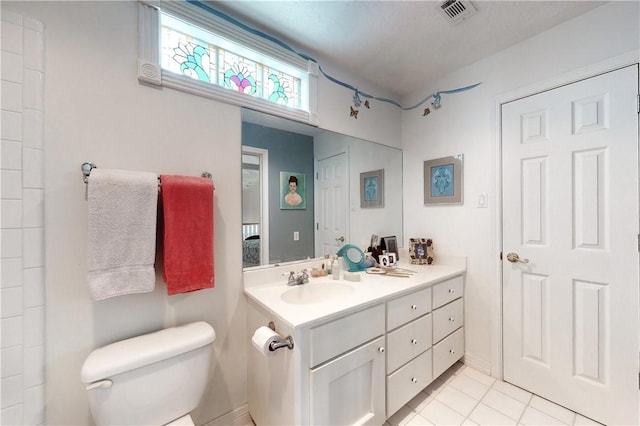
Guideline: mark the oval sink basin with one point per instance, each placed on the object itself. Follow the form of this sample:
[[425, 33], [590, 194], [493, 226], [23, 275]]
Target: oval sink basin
[[318, 292]]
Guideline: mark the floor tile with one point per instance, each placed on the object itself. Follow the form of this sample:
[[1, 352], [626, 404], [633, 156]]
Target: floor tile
[[478, 376], [470, 386], [418, 420], [584, 421], [513, 391], [485, 415], [533, 417], [554, 410], [439, 414], [402, 416], [420, 401], [503, 403], [457, 400]]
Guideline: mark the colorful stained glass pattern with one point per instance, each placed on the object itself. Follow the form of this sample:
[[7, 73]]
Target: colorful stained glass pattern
[[184, 54]]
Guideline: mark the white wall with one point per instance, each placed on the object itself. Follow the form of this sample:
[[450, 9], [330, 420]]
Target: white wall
[[465, 123], [96, 111]]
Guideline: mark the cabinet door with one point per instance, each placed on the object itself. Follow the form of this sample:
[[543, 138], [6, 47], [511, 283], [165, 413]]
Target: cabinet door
[[351, 388]]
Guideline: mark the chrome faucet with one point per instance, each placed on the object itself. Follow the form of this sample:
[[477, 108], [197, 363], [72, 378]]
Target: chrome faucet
[[301, 278]]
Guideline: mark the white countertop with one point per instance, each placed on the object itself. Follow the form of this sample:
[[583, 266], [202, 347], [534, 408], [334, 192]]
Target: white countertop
[[266, 287]]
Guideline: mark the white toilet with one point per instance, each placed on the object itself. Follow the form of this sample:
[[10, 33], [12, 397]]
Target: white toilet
[[153, 379]]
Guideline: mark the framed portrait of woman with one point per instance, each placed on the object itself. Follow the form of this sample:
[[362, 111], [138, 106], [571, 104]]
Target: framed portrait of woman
[[292, 191]]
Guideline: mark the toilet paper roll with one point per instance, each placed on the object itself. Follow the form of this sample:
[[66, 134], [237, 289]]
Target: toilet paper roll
[[262, 338]]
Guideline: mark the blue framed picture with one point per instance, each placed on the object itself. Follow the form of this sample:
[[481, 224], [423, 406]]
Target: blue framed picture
[[443, 180], [372, 189]]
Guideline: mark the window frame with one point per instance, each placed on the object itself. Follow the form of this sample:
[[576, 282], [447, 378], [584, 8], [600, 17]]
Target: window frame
[[151, 72]]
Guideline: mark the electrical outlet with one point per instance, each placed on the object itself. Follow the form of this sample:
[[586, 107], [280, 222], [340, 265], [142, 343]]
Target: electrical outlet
[[296, 236]]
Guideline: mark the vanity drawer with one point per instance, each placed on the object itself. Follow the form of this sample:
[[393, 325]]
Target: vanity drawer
[[447, 319], [405, 383], [447, 352], [408, 308], [408, 341], [447, 291], [336, 337]]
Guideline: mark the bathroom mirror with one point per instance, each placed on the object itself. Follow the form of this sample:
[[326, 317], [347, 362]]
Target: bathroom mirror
[[282, 158]]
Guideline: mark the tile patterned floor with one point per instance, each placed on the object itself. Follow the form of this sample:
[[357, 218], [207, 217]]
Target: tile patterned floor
[[465, 396]]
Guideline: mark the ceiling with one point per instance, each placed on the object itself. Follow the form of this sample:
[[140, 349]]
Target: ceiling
[[398, 45]]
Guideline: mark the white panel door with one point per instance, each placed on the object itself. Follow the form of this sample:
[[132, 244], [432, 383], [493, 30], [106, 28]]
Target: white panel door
[[570, 211], [331, 211]]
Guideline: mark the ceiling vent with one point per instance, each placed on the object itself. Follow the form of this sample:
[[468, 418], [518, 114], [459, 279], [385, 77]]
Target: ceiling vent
[[456, 11]]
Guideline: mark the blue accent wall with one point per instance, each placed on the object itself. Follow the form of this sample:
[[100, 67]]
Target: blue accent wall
[[288, 152]]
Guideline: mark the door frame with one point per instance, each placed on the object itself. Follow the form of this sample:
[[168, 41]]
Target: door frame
[[263, 154], [630, 58]]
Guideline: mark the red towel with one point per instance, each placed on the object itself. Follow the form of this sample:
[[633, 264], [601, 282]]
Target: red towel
[[187, 206]]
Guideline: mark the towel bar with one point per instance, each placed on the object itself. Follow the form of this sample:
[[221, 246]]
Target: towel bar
[[88, 166]]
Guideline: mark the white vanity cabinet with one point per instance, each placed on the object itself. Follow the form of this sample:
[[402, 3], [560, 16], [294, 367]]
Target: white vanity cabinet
[[409, 357], [347, 370], [448, 321]]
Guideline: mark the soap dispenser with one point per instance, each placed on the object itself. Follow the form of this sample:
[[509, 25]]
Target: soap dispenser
[[335, 269]]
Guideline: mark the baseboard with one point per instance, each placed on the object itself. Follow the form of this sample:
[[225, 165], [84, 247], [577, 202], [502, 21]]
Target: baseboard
[[238, 417], [477, 363]]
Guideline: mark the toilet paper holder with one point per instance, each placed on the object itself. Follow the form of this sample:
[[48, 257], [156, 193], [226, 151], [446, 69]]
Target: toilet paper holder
[[287, 342]]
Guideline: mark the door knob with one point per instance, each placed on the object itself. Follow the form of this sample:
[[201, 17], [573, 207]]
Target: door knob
[[514, 258], [341, 239]]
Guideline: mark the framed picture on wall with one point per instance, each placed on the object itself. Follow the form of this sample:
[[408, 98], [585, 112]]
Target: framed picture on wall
[[443, 180], [293, 194], [372, 189]]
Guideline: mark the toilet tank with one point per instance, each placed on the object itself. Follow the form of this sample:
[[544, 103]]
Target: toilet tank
[[151, 379]]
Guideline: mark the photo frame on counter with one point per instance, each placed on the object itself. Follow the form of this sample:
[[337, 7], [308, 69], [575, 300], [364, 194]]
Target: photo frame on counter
[[293, 189], [372, 189], [443, 180], [420, 251], [390, 244]]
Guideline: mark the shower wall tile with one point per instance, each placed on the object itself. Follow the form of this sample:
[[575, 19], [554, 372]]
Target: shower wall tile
[[11, 213], [11, 242], [34, 406], [11, 415], [33, 327], [11, 184], [11, 302], [11, 36], [33, 89], [32, 129], [33, 287], [11, 67], [11, 96], [11, 272], [22, 285], [12, 332], [12, 391], [12, 361], [33, 252], [33, 208], [11, 125], [11, 155], [32, 168], [33, 367]]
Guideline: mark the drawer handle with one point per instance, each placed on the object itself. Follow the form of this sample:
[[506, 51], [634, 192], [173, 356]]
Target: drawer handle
[[381, 349], [414, 380], [414, 307], [451, 290], [452, 352], [451, 319], [414, 341]]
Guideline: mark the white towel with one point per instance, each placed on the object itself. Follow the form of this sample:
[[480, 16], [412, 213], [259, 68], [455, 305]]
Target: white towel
[[121, 237]]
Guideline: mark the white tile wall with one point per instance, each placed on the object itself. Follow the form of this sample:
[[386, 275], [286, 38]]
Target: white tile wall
[[22, 285]]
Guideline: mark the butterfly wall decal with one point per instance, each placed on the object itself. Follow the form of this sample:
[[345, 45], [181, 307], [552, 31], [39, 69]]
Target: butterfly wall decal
[[354, 113]]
